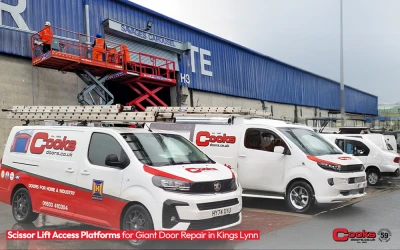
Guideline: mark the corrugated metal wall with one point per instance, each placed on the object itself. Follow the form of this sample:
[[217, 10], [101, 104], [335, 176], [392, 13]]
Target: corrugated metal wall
[[235, 71], [356, 100]]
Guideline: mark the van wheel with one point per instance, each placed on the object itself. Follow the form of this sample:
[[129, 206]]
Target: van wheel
[[373, 177], [137, 218], [22, 207], [299, 196]]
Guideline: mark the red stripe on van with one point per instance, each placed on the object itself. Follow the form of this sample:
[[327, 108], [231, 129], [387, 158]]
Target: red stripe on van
[[230, 168], [157, 172], [313, 158]]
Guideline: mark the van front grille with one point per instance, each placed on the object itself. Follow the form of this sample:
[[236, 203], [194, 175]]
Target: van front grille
[[228, 185], [217, 204], [352, 168]]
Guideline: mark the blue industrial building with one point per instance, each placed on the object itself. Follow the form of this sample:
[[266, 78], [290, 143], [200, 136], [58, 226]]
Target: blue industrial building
[[204, 62]]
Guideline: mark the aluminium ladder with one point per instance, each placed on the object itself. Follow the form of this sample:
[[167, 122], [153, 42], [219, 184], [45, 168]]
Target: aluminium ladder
[[119, 114]]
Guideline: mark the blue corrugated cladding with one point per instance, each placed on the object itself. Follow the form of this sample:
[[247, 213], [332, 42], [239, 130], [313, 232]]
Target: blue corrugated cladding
[[356, 100], [236, 70]]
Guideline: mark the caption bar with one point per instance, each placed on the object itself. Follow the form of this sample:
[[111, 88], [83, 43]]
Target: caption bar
[[132, 235]]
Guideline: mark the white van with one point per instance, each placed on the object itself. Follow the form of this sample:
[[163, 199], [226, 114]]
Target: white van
[[277, 160], [117, 178], [378, 162]]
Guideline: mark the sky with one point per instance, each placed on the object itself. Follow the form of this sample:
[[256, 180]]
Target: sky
[[306, 34]]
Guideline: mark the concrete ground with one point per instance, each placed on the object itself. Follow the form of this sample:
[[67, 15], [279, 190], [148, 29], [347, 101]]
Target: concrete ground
[[280, 229]]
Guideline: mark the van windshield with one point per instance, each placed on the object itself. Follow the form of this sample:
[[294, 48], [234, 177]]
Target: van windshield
[[310, 142], [156, 149]]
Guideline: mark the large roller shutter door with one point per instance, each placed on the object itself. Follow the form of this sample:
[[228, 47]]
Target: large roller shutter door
[[138, 47]]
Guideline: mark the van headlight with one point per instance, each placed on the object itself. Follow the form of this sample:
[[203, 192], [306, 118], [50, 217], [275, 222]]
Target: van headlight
[[328, 166], [234, 184], [170, 184]]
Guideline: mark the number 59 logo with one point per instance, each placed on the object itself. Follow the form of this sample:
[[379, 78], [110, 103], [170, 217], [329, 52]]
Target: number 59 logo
[[384, 235]]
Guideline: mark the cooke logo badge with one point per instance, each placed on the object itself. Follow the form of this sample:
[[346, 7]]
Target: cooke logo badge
[[343, 235], [41, 141], [50, 143], [199, 170], [97, 190], [204, 139]]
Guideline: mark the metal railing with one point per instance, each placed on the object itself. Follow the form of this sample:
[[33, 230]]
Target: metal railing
[[80, 45]]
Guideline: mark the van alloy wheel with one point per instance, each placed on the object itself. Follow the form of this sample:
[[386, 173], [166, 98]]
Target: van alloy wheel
[[22, 207], [373, 178], [137, 218], [136, 221], [299, 197]]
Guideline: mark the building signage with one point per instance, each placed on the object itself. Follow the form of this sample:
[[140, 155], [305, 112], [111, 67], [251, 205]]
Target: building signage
[[15, 11], [143, 36], [150, 37]]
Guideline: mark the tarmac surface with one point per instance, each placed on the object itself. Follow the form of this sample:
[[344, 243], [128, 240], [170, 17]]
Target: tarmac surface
[[279, 228]]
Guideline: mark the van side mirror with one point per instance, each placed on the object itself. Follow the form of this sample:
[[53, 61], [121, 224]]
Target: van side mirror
[[279, 149], [113, 161]]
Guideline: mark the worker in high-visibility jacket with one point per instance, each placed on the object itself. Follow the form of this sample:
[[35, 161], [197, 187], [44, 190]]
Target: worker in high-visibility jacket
[[126, 55], [99, 48], [46, 35]]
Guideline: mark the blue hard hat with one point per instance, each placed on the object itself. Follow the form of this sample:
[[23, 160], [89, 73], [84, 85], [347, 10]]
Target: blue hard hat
[[99, 35]]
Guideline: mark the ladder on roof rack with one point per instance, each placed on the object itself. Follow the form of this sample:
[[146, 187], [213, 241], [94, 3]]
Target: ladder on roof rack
[[121, 114]]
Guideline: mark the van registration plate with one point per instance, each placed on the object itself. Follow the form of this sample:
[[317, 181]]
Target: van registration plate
[[221, 212]]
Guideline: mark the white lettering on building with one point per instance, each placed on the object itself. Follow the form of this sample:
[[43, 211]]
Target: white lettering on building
[[185, 78], [15, 12], [203, 60]]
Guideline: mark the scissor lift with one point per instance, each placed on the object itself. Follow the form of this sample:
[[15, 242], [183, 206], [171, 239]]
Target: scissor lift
[[71, 52]]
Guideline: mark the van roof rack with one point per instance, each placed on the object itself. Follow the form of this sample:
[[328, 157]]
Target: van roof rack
[[119, 114]]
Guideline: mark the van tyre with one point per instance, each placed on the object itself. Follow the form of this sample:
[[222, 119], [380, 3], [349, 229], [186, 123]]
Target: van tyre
[[299, 197], [373, 177], [137, 217], [22, 207]]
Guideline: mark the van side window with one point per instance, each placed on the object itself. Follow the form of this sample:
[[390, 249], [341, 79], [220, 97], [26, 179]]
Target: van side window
[[340, 144], [261, 139], [356, 148], [101, 145]]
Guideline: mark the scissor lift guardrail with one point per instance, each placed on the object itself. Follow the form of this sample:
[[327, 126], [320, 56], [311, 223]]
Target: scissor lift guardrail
[[121, 114]]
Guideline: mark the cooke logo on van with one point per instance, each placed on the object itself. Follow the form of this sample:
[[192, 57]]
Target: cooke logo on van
[[199, 170], [50, 143], [204, 139], [41, 143]]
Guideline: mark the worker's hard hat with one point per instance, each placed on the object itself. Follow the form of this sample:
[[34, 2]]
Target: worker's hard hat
[[99, 35], [47, 23]]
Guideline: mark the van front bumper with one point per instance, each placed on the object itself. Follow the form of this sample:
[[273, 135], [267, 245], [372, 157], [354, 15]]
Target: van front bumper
[[202, 212], [342, 189]]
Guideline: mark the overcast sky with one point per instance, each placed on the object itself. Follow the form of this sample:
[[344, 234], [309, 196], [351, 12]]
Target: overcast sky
[[306, 34]]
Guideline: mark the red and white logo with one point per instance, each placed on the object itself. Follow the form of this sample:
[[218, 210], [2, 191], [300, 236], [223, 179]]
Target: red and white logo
[[343, 235], [204, 138], [199, 170], [41, 141]]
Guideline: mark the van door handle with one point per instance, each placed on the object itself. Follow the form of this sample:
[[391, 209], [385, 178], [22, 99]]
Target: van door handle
[[85, 172], [242, 156], [69, 170]]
